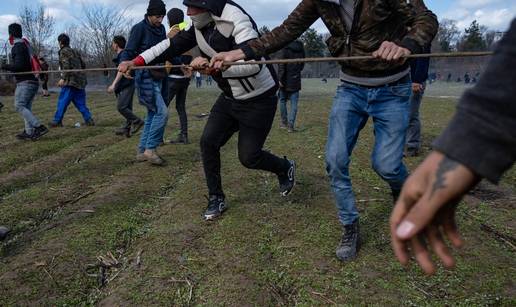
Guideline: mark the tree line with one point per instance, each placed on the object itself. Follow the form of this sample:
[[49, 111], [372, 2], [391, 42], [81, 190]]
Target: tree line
[[93, 32]]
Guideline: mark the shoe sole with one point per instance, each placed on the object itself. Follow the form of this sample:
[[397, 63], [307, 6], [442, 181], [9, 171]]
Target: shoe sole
[[39, 136], [287, 193], [212, 217]]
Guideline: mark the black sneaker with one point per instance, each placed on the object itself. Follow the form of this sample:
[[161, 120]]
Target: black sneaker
[[216, 206], [136, 126], [39, 132], [23, 136], [4, 231], [1, 106], [123, 131], [411, 152], [181, 139], [350, 242], [288, 181], [90, 122]]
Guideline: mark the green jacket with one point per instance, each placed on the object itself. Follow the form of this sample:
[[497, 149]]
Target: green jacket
[[375, 21], [71, 59]]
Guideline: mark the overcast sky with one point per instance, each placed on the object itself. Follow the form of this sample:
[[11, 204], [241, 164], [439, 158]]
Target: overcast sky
[[495, 14]]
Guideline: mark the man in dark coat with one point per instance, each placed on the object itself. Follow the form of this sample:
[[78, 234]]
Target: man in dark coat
[[124, 91], [26, 84], [290, 83], [151, 84]]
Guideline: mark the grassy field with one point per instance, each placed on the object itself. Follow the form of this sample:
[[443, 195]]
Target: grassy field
[[93, 227]]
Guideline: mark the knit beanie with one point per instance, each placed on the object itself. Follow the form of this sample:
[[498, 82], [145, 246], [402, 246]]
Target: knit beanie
[[175, 16], [156, 8]]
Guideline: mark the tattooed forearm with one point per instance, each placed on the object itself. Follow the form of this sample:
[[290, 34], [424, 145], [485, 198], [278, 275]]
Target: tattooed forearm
[[446, 165]]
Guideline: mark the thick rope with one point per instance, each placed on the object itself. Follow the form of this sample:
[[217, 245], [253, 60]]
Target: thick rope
[[266, 62]]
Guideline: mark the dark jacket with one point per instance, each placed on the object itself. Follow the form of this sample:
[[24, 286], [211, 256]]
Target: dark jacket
[[20, 57], [419, 67], [42, 76], [290, 74], [482, 134], [144, 36], [374, 22], [71, 59], [124, 82]]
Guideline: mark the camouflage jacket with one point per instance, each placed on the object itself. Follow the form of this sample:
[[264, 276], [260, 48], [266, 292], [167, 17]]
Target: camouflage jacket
[[375, 21], [71, 59]]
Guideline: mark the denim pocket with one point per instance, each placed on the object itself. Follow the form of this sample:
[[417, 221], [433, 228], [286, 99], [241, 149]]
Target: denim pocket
[[403, 90]]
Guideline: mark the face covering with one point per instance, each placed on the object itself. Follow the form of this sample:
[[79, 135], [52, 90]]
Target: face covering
[[201, 20]]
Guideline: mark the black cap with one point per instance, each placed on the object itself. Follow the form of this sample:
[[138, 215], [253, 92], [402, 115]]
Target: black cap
[[175, 16], [213, 6], [156, 8], [15, 30]]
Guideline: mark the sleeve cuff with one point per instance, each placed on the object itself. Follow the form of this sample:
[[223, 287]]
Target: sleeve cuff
[[473, 143], [248, 51], [411, 45], [139, 61]]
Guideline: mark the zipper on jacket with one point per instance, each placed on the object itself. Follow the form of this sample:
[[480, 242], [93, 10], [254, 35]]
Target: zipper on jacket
[[356, 16]]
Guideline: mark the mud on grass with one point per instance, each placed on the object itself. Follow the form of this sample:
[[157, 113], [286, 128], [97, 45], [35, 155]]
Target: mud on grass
[[78, 194]]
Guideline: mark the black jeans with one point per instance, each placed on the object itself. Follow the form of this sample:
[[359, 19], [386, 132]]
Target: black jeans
[[178, 88], [125, 104], [253, 120]]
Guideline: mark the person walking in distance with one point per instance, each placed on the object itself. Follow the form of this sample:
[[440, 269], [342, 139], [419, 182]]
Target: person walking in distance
[[290, 83], [43, 77], [27, 85], [72, 84]]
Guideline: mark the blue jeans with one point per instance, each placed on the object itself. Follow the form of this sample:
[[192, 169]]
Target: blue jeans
[[23, 97], [155, 122], [352, 106], [78, 97], [414, 128], [287, 118]]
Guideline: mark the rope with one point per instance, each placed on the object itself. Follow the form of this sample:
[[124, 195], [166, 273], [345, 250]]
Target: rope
[[266, 62]]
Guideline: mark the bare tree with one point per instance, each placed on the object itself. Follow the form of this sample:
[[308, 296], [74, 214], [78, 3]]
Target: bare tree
[[38, 26], [447, 36], [100, 24], [78, 40]]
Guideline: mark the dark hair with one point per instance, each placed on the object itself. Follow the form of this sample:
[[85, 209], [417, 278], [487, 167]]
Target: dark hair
[[64, 39], [119, 41], [15, 29]]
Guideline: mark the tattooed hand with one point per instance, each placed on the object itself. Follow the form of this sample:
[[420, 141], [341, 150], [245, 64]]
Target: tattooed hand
[[425, 211]]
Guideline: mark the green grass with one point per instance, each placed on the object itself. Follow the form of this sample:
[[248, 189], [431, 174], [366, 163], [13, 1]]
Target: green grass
[[78, 194]]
